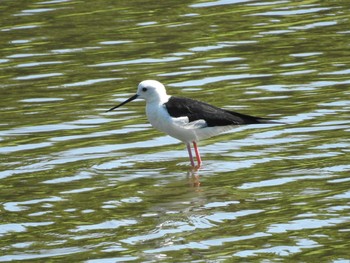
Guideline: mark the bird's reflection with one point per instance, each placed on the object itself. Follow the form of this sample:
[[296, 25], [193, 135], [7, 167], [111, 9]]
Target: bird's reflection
[[194, 178]]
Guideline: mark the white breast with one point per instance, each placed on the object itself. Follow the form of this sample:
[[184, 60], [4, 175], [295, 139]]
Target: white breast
[[162, 121], [158, 116]]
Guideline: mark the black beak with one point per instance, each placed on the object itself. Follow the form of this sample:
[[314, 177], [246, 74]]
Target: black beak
[[121, 104]]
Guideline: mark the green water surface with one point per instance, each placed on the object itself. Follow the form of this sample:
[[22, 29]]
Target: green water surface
[[81, 185]]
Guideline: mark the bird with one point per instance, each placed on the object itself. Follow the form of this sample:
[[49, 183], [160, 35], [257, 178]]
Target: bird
[[186, 119]]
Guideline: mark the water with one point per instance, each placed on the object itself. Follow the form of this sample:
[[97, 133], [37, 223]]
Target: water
[[82, 185]]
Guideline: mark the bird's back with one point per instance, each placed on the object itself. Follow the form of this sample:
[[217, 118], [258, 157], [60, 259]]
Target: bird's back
[[213, 116]]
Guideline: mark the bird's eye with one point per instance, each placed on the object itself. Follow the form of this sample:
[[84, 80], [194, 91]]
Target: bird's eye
[[144, 89]]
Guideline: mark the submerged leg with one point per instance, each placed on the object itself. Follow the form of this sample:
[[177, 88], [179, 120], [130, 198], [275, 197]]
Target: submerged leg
[[190, 153], [198, 156]]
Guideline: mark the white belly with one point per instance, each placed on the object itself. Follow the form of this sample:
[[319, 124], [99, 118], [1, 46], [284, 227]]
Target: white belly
[[180, 128]]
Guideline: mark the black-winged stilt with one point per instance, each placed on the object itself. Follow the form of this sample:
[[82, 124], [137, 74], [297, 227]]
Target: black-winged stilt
[[186, 119]]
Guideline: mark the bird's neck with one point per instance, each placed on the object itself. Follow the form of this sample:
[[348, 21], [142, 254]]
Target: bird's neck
[[158, 100]]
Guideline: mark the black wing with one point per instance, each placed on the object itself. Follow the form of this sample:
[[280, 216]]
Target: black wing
[[213, 116]]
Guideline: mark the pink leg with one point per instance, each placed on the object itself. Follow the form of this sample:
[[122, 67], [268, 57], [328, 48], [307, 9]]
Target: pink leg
[[198, 156], [190, 153]]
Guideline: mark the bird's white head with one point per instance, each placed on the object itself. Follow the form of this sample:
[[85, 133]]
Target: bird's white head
[[152, 91]]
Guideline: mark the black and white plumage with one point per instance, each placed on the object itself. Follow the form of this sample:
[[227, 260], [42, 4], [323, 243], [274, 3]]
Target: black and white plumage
[[213, 116], [186, 119]]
